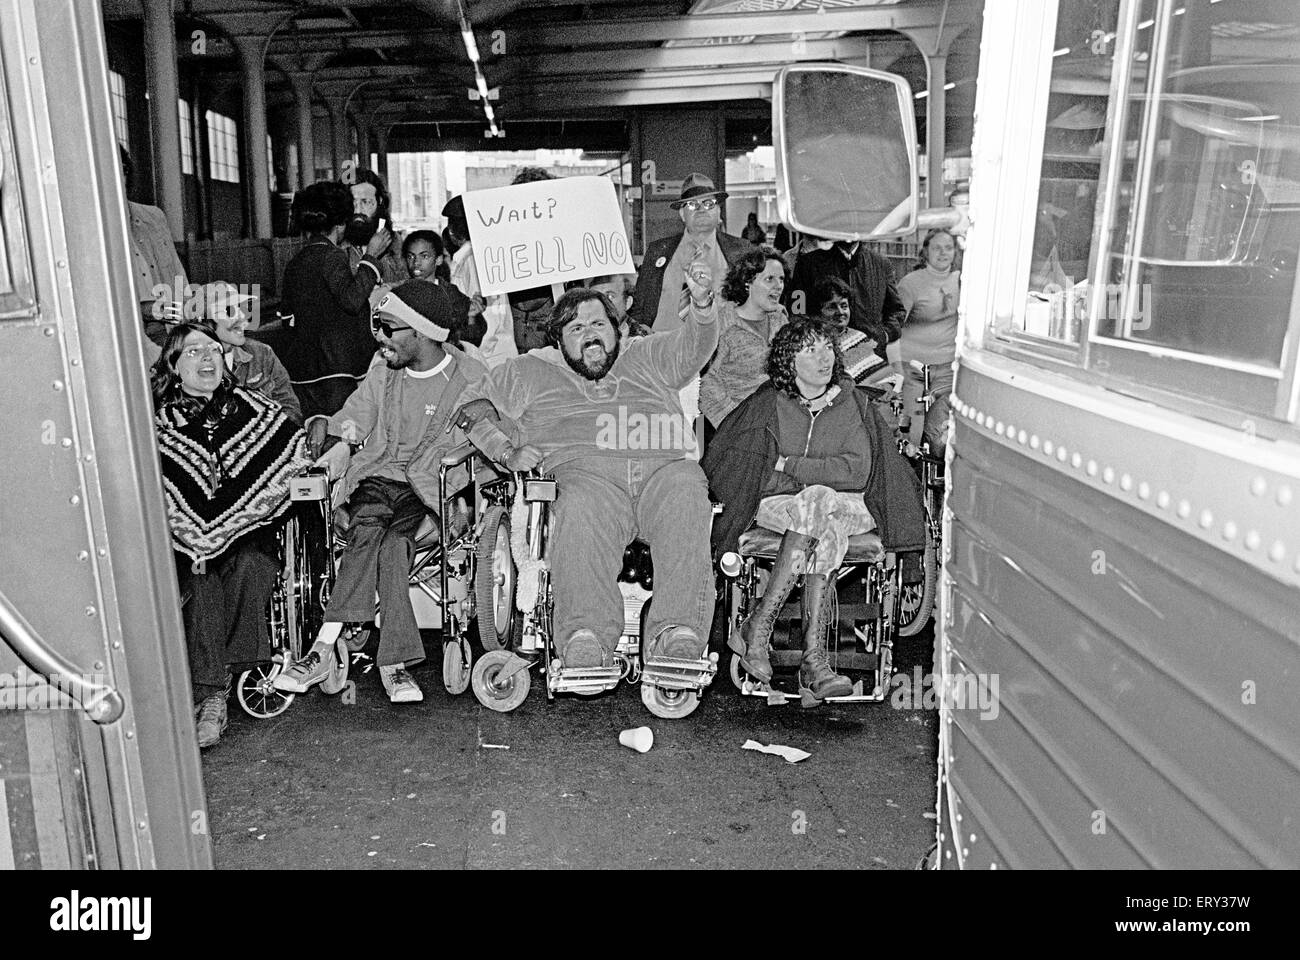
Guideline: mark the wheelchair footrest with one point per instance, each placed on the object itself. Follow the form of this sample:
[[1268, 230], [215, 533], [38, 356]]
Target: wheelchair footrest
[[672, 673], [779, 698], [583, 679]]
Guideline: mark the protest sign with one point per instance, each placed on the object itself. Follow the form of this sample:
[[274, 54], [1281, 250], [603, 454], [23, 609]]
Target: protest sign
[[546, 232]]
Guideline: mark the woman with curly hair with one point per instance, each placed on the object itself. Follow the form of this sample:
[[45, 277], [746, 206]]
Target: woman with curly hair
[[227, 456], [813, 492], [749, 317]]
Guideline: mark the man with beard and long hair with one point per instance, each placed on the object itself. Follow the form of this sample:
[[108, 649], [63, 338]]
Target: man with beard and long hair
[[401, 416], [603, 415], [370, 205]]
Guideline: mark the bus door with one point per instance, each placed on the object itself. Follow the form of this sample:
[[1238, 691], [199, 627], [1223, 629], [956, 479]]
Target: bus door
[[98, 762]]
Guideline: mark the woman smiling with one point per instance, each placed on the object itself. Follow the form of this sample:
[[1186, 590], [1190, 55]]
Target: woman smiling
[[227, 456]]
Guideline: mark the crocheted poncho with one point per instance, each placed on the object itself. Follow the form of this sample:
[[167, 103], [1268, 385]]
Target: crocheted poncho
[[226, 465]]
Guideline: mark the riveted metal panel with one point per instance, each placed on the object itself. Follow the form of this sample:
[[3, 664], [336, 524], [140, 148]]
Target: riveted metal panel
[[1146, 645]]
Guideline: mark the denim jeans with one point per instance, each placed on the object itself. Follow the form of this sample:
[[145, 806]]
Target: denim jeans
[[603, 504], [381, 543]]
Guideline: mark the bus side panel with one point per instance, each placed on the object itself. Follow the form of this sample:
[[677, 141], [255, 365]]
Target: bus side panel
[[85, 557], [1145, 712]]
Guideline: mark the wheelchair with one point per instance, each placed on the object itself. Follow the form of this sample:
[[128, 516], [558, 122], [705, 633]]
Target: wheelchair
[[446, 578], [865, 593], [521, 605], [917, 598]]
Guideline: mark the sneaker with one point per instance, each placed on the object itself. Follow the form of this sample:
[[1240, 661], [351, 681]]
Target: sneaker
[[304, 674], [401, 686], [582, 650], [212, 719], [675, 643]]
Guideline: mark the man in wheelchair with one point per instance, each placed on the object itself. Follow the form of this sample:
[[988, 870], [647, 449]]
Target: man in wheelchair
[[602, 414], [809, 457], [401, 416]]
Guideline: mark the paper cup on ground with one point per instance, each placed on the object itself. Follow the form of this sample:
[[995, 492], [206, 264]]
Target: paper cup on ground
[[641, 739]]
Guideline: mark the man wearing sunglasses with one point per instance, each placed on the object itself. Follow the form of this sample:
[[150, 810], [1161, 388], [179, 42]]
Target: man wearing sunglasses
[[400, 416], [660, 300]]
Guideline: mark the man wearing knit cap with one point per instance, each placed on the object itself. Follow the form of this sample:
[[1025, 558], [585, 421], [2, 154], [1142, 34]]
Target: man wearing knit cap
[[400, 417]]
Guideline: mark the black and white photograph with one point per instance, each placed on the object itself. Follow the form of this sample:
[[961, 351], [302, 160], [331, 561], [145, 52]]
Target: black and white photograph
[[655, 435]]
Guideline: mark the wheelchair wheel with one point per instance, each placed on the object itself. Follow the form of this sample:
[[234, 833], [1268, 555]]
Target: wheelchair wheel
[[257, 697], [669, 704], [456, 658], [494, 582], [337, 678], [916, 600], [501, 697]]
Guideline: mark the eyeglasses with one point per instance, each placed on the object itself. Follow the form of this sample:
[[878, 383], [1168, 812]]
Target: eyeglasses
[[694, 205], [386, 327], [197, 353]]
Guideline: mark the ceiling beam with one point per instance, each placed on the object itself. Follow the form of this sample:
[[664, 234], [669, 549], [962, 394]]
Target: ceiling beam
[[669, 58], [709, 26]]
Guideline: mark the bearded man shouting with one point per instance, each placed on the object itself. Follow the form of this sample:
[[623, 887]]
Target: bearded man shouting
[[602, 415]]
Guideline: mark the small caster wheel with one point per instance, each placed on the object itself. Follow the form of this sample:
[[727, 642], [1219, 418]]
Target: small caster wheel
[[501, 696], [337, 678], [257, 697], [669, 704], [456, 666]]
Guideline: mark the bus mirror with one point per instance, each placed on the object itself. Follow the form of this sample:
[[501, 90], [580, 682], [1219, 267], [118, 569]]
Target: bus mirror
[[845, 140]]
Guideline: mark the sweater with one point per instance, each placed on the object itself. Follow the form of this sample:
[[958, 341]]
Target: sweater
[[930, 330], [633, 412], [740, 365], [373, 414]]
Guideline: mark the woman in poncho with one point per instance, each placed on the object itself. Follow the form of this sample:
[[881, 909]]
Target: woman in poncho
[[227, 457]]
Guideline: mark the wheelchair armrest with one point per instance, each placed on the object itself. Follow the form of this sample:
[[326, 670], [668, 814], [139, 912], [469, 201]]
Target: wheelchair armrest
[[459, 454]]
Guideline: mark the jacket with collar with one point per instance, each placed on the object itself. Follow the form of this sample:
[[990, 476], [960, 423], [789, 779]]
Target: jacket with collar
[[256, 367], [742, 454], [650, 278], [372, 411]]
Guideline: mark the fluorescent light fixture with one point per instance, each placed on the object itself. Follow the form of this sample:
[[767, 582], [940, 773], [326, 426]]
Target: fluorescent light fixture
[[482, 85], [487, 112], [471, 48], [1060, 53]]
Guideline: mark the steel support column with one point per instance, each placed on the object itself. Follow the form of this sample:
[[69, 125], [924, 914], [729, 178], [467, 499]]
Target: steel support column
[[259, 180], [164, 119]]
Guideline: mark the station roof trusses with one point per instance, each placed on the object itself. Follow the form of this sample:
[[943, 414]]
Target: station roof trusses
[[561, 59]]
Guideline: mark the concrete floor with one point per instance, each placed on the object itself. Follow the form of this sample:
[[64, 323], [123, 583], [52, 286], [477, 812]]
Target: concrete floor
[[331, 785]]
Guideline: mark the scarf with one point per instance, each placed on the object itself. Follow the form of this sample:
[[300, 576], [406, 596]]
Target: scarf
[[226, 465]]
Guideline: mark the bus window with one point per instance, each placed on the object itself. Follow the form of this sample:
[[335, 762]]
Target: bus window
[[1200, 245], [17, 298], [1073, 147], [1207, 264]]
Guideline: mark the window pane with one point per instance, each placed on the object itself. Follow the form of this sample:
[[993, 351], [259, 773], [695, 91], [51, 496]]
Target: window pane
[[187, 136], [1205, 260], [1073, 156], [117, 95]]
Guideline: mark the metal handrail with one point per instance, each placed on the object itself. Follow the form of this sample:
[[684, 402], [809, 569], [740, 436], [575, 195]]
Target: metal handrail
[[102, 703]]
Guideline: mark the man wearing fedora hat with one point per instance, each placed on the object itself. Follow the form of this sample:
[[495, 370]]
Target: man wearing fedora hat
[[659, 301]]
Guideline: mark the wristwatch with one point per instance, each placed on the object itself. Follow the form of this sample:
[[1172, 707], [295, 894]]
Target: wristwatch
[[706, 304]]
